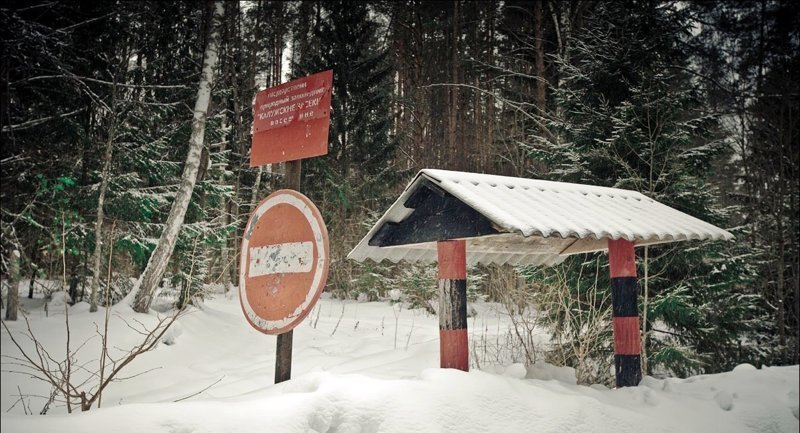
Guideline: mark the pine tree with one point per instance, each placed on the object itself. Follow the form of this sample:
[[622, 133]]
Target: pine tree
[[345, 39], [748, 56], [358, 169], [632, 117]]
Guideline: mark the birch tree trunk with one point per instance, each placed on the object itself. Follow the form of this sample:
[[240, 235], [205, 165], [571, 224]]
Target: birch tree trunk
[[143, 291]]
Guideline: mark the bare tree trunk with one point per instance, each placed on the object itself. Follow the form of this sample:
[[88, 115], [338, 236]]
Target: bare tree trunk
[[538, 42], [453, 107], [13, 286], [223, 220], [98, 225], [488, 147], [781, 258], [145, 288], [232, 37], [645, 340], [34, 269]]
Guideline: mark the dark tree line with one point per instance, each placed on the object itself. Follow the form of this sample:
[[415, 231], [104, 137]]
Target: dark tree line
[[694, 104]]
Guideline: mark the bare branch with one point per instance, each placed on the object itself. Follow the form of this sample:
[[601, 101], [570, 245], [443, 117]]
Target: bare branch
[[83, 23], [39, 364], [199, 392], [36, 122], [517, 106], [97, 81]]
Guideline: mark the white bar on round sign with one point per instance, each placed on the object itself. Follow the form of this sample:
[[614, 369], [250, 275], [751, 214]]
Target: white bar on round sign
[[291, 257]]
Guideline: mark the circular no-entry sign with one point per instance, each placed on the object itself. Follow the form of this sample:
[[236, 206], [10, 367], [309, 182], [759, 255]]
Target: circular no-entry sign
[[284, 262]]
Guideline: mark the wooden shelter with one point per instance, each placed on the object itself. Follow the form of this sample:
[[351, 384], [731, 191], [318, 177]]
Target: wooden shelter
[[461, 219]]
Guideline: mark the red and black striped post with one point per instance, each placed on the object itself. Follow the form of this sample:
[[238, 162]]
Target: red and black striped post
[[624, 292], [453, 342]]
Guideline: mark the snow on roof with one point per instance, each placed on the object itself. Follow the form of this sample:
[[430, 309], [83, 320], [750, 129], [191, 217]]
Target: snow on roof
[[527, 221]]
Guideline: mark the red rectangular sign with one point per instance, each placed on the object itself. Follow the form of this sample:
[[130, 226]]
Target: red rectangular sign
[[291, 121]]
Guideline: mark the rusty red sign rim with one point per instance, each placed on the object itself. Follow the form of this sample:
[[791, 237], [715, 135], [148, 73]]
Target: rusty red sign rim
[[319, 265]]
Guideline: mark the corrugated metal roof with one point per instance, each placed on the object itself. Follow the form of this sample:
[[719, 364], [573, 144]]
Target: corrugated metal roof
[[540, 222]]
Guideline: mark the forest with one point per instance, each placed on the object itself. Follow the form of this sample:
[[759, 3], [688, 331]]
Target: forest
[[126, 132]]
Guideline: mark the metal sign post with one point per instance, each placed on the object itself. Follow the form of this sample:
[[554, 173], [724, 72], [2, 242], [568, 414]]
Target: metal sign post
[[284, 258], [283, 268]]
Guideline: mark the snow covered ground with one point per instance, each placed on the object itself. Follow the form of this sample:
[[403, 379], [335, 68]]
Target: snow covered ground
[[367, 367]]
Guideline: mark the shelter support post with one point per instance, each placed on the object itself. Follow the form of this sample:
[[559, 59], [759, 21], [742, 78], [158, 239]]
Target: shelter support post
[[624, 293], [453, 342]]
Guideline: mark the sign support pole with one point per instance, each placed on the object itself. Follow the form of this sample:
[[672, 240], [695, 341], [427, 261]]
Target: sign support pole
[[624, 293], [283, 357], [283, 349], [453, 341]]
